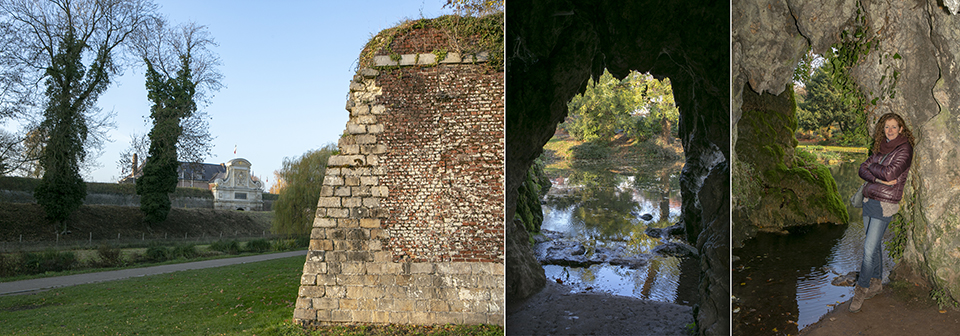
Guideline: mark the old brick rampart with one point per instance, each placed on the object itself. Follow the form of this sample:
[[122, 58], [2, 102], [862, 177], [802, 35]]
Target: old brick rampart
[[409, 225]]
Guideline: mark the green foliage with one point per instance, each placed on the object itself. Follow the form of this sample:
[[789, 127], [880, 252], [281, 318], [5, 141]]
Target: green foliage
[[157, 253], [228, 247], [469, 35], [297, 205], [895, 246], [173, 101], [639, 106], [827, 106], [258, 246], [71, 91], [943, 299], [531, 191], [110, 256], [186, 251], [46, 261], [590, 152]]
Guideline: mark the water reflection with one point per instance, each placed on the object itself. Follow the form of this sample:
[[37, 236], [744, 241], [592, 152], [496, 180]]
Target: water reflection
[[602, 207], [783, 282]]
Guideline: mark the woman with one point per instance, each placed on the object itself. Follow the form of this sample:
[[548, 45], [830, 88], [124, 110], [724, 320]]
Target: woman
[[886, 173]]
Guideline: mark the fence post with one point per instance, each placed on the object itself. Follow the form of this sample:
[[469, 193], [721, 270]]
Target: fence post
[[91, 238]]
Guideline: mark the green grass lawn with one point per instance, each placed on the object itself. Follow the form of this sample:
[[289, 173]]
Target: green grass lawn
[[248, 299], [242, 299]]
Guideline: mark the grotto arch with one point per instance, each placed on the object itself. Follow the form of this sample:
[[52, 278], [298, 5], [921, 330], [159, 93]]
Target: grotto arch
[[769, 37], [553, 47]]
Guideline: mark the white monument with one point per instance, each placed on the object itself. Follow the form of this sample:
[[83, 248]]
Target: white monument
[[236, 189]]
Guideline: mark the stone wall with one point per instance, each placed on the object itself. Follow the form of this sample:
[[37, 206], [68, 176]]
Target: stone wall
[[409, 225], [19, 196]]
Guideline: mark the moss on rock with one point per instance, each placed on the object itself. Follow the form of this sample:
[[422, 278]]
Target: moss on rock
[[784, 189]]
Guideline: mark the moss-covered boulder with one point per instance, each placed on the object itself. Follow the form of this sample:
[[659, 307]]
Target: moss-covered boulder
[[775, 188]]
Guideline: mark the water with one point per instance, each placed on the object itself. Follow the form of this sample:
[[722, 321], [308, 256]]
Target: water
[[782, 283], [601, 207]]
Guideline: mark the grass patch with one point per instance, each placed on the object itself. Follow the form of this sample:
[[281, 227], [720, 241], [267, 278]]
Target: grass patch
[[241, 299]]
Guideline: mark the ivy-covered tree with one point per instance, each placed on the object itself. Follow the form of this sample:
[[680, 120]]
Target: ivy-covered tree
[[302, 178], [179, 132], [172, 102], [69, 47]]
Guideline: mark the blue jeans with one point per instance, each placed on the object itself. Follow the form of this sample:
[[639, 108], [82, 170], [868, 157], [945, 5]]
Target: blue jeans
[[872, 266]]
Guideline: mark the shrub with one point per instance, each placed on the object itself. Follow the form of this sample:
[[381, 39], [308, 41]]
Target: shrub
[[109, 255], [230, 247], [259, 246], [590, 151], [157, 253], [47, 261], [8, 265], [184, 252]]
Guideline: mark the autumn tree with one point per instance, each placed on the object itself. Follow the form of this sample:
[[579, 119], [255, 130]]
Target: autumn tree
[[70, 47], [303, 178]]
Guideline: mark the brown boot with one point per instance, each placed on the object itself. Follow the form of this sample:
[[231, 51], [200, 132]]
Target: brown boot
[[875, 288], [859, 294]]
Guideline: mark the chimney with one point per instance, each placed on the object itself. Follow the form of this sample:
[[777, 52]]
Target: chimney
[[134, 171]]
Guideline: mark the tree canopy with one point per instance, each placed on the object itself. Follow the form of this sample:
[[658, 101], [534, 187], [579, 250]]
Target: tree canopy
[[302, 179]]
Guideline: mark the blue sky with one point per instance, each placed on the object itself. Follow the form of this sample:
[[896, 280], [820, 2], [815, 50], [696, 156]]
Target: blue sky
[[286, 65]]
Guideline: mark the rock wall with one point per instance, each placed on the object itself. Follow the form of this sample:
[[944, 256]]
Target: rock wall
[[409, 225], [554, 47], [770, 36]]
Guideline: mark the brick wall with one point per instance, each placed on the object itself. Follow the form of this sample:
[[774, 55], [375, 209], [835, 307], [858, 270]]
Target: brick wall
[[409, 225]]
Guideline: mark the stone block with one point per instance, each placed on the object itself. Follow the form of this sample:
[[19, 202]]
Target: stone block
[[366, 121], [326, 280], [349, 160], [362, 191], [372, 292], [337, 292], [308, 279], [408, 59], [399, 317], [348, 222], [369, 73], [351, 181], [326, 191], [421, 318], [314, 267], [352, 268], [346, 140], [353, 128], [328, 202], [326, 303], [323, 315], [305, 314], [348, 304], [454, 268], [374, 245], [311, 291], [373, 160], [321, 245], [387, 258], [350, 149], [354, 86], [359, 110], [365, 139], [439, 306], [426, 280], [405, 305], [474, 294], [378, 109], [383, 60], [452, 57], [367, 304], [318, 233], [372, 223], [330, 180], [342, 191], [338, 213], [474, 318], [369, 180], [324, 222], [341, 316], [351, 202], [403, 280], [375, 129], [422, 267], [379, 191], [371, 202]]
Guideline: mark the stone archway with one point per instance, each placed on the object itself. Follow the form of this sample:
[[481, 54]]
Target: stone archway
[[770, 36], [554, 47]]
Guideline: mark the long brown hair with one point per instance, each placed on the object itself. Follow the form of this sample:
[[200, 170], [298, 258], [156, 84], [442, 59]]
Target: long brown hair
[[879, 136]]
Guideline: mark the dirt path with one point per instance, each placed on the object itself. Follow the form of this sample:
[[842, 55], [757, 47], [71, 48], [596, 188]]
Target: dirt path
[[902, 310], [27, 286], [554, 311]]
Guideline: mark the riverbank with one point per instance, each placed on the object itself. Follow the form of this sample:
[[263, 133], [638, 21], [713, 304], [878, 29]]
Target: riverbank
[[556, 311]]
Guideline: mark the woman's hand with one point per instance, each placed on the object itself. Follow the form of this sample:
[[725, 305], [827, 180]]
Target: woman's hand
[[889, 183]]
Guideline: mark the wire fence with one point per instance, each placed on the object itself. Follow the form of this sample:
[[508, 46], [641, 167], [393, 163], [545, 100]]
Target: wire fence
[[71, 241]]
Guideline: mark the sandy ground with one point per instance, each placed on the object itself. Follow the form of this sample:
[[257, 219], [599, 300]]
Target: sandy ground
[[899, 310], [555, 311]]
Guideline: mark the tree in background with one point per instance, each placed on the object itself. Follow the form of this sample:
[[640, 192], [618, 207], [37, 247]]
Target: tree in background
[[173, 94], [70, 47], [296, 207], [826, 108]]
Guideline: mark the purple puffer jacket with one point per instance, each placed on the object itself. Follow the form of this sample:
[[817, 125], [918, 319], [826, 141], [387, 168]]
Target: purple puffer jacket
[[895, 166]]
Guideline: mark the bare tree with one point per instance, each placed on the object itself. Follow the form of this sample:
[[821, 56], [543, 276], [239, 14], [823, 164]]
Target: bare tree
[[68, 49]]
